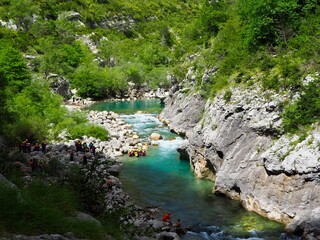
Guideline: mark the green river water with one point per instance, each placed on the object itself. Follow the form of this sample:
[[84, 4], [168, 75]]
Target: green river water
[[161, 179]]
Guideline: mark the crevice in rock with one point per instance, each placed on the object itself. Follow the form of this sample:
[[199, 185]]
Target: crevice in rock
[[239, 109], [181, 134], [220, 154], [276, 172], [234, 141], [299, 231], [313, 177], [236, 188], [210, 166], [184, 155], [228, 115]]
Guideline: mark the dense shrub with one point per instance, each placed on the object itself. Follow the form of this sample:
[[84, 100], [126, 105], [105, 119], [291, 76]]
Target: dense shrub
[[306, 110], [89, 130]]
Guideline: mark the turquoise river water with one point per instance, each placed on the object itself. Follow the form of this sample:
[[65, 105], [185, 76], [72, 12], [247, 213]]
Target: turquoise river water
[[161, 179]]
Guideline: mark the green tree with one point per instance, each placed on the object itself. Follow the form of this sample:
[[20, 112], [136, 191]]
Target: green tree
[[135, 73], [305, 110], [157, 77], [166, 38], [213, 15], [13, 69], [34, 110], [23, 12], [268, 22], [91, 81], [14, 76]]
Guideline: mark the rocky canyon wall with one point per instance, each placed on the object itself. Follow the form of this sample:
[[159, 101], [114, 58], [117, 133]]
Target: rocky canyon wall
[[238, 142]]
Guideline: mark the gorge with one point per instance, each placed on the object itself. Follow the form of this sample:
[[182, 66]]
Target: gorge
[[239, 143], [243, 85], [161, 179]]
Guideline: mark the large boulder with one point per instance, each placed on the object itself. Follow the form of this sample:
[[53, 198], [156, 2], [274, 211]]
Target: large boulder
[[168, 236], [307, 224], [155, 136], [60, 85]]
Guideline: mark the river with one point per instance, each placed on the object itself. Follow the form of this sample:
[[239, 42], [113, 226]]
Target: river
[[161, 179]]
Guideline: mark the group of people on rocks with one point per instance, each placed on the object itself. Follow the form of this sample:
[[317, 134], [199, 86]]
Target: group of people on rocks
[[137, 152], [26, 146], [34, 163], [84, 147]]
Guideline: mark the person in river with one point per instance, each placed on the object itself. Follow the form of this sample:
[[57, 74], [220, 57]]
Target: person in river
[[178, 224], [22, 147], [109, 183], [28, 146], [78, 146], [178, 227], [166, 219], [136, 154]]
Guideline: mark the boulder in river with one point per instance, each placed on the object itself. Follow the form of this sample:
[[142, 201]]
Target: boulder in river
[[155, 136]]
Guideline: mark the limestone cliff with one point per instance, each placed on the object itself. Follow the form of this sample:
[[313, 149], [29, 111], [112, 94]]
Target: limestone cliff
[[239, 143]]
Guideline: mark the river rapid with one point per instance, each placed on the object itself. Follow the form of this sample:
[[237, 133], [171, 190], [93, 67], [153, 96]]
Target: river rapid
[[161, 179]]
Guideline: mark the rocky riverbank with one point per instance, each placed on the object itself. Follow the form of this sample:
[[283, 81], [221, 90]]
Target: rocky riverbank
[[238, 142], [99, 177], [121, 136]]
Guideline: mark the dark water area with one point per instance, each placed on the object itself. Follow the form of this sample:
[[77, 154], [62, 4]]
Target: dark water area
[[161, 179]]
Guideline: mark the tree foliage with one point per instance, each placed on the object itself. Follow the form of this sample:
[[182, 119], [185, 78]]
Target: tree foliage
[[142, 42], [306, 110]]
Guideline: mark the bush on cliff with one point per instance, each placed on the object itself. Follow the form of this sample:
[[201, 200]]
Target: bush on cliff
[[306, 110]]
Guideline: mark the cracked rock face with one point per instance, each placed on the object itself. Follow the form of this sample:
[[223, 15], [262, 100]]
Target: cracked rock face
[[240, 144]]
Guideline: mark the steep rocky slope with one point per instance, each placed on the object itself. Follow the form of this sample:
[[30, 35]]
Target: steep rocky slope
[[239, 143]]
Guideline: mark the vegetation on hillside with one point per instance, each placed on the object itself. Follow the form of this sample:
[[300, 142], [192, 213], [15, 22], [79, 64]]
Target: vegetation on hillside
[[275, 42]]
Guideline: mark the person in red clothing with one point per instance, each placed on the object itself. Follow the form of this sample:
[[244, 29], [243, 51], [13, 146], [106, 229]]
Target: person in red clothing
[[166, 218]]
